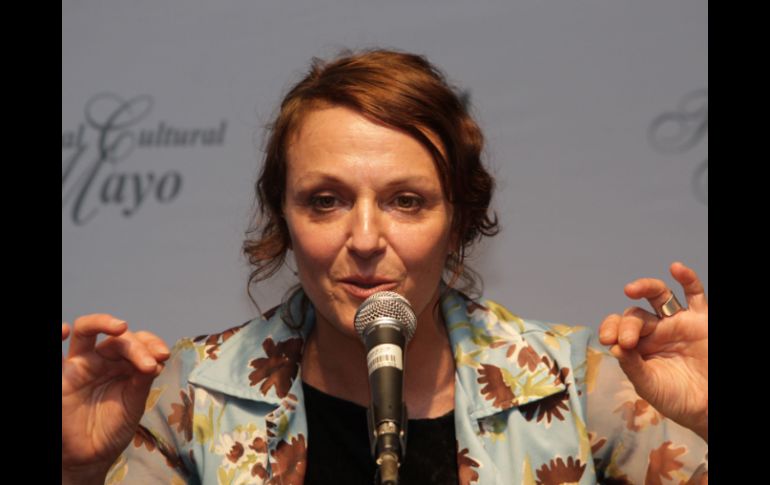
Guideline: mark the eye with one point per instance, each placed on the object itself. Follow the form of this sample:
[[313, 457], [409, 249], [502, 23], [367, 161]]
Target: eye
[[323, 202], [408, 202]]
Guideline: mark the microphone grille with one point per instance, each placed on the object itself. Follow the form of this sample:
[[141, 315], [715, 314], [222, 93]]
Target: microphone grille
[[386, 304]]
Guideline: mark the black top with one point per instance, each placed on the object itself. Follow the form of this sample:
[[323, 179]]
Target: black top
[[338, 445]]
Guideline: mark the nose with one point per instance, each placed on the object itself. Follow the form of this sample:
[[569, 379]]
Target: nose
[[365, 237]]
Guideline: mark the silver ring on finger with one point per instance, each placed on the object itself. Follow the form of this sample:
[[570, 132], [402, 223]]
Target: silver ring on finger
[[669, 308]]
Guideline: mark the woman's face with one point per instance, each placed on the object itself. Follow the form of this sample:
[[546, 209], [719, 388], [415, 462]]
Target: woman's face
[[366, 212]]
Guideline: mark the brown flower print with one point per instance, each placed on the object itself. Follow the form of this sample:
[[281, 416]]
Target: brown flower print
[[500, 343], [511, 350], [528, 358], [632, 410], [278, 368], [549, 407], [259, 445], [554, 369], [290, 462], [662, 463], [495, 387], [557, 472], [214, 341], [596, 442], [182, 414], [235, 453], [465, 468], [144, 437], [258, 471]]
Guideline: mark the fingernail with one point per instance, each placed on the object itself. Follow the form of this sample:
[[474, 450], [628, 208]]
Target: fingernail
[[161, 349], [117, 322], [627, 337], [148, 361]]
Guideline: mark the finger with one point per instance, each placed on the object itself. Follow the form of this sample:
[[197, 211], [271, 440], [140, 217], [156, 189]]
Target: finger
[[693, 288], [650, 319], [634, 367], [65, 331], [628, 331], [155, 344], [655, 291], [87, 328], [670, 340], [130, 348], [608, 330]]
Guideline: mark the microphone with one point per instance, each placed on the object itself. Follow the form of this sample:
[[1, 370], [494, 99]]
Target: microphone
[[386, 322]]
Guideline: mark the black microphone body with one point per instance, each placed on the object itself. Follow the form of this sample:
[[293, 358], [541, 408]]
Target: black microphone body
[[384, 343], [385, 323]]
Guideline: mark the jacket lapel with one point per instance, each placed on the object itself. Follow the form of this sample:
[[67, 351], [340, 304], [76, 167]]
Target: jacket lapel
[[261, 363], [498, 367]]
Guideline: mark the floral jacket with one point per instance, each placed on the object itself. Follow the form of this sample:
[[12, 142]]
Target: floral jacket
[[535, 403]]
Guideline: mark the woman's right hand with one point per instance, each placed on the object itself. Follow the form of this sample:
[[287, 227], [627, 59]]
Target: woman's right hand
[[103, 391]]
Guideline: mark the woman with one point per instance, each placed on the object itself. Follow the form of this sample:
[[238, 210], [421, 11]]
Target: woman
[[373, 180]]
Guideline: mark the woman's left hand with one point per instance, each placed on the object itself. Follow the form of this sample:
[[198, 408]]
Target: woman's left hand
[[666, 359]]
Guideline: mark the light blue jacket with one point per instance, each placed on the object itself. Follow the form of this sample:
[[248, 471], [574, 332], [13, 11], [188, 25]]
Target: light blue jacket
[[535, 403]]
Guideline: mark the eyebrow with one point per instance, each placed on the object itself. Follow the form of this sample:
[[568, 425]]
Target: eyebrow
[[315, 176]]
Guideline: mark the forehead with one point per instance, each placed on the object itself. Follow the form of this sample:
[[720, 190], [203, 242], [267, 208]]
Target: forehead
[[339, 138]]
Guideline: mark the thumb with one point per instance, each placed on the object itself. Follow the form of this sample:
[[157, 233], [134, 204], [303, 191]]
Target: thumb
[[136, 393], [632, 364], [637, 370]]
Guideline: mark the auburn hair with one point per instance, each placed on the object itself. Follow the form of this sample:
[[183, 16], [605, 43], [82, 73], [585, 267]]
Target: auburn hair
[[400, 90]]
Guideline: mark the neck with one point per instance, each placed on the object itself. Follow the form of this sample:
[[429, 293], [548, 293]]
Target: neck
[[428, 373]]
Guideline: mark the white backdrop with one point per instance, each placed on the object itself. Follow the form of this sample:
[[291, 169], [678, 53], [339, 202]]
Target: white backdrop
[[595, 113]]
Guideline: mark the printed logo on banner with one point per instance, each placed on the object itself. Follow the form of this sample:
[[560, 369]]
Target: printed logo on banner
[[678, 131], [94, 155]]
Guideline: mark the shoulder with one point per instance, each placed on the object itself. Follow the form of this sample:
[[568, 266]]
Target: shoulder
[[220, 352], [490, 332], [214, 346], [499, 322]]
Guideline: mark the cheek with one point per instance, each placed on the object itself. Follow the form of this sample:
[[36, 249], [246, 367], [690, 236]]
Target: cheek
[[314, 247], [424, 249]]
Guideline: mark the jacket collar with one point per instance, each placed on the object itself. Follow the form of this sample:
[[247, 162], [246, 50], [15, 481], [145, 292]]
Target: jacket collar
[[501, 359], [262, 361]]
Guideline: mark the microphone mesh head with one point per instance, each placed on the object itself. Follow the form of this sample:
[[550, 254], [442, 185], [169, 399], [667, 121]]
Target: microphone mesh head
[[386, 304]]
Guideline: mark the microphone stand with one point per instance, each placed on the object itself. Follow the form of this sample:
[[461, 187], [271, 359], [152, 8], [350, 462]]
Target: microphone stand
[[388, 446]]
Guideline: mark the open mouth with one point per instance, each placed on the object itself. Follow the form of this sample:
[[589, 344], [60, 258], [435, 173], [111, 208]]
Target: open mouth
[[366, 285], [364, 289]]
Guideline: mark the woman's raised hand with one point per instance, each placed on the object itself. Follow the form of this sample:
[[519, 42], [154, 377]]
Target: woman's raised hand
[[103, 390], [665, 358]]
